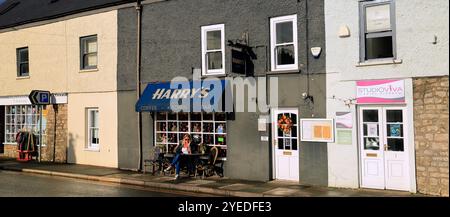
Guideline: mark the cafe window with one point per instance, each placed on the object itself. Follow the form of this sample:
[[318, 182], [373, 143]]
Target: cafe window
[[23, 118], [207, 128], [22, 62], [284, 43], [88, 52], [213, 49], [93, 129], [377, 26]]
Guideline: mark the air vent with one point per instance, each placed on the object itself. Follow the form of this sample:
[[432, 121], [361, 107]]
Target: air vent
[[9, 7], [53, 1]]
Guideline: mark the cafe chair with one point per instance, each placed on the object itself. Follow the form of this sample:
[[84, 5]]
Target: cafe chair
[[156, 162], [210, 168]]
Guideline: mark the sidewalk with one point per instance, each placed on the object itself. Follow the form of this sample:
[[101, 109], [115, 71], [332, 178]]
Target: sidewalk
[[210, 185]]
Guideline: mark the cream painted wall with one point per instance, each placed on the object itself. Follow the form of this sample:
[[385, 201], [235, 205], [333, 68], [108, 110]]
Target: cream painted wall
[[47, 55], [105, 78], [107, 104], [54, 55], [417, 22]]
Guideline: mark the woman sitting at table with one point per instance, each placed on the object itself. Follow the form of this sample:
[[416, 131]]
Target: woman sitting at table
[[184, 147]]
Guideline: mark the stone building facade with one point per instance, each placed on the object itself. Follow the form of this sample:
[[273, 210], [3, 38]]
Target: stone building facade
[[431, 126], [55, 149]]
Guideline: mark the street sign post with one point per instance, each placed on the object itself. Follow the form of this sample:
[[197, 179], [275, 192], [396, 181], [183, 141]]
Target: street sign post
[[40, 98]]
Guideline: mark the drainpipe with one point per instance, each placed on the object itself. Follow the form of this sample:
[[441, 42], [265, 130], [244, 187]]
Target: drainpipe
[[138, 77]]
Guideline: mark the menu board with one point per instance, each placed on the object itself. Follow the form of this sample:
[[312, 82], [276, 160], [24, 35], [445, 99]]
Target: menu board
[[317, 130]]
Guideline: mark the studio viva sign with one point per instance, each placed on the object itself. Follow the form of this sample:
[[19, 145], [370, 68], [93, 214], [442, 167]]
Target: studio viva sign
[[380, 91]]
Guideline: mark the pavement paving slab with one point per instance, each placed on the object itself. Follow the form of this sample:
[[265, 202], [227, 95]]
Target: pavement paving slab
[[210, 185]]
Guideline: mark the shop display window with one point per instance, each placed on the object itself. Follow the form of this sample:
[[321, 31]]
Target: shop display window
[[210, 128], [23, 117]]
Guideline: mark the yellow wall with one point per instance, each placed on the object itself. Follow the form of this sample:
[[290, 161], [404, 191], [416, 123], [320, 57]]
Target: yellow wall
[[54, 55], [107, 105], [54, 61]]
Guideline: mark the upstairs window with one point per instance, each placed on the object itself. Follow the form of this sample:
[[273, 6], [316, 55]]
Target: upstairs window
[[88, 54], [22, 62], [283, 41], [213, 49], [377, 30]]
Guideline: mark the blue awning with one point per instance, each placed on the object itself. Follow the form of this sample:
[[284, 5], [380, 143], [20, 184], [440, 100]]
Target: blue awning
[[184, 96]]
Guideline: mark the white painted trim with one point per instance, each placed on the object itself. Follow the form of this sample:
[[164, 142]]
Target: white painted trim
[[23, 100], [204, 30], [408, 134], [273, 119], [89, 145], [273, 22], [409, 98]]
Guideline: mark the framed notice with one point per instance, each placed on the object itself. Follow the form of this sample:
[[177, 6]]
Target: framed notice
[[317, 130]]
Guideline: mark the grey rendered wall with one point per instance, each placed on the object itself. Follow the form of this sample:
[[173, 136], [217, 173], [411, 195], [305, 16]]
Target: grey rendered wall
[[128, 149], [171, 47]]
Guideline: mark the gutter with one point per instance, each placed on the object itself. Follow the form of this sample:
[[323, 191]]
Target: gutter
[[138, 77], [66, 14]]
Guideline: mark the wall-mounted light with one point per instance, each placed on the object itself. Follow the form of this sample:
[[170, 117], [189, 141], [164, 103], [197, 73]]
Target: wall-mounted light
[[315, 51], [344, 31]]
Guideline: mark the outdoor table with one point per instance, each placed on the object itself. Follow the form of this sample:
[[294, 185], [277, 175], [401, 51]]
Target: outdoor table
[[191, 160]]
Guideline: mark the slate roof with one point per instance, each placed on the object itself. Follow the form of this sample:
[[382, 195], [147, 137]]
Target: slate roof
[[19, 12]]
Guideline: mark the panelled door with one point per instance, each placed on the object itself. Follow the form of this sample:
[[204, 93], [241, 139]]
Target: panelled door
[[384, 148], [285, 144]]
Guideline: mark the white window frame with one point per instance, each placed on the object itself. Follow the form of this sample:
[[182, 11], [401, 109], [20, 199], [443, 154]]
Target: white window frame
[[89, 144], [30, 121], [178, 121], [205, 30], [273, 44], [364, 35]]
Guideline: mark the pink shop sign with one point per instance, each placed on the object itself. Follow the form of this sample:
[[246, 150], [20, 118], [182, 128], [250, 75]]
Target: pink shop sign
[[380, 91]]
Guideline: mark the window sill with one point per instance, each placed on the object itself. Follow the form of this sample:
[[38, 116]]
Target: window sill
[[88, 70], [379, 62], [221, 75], [22, 77], [290, 71], [92, 149]]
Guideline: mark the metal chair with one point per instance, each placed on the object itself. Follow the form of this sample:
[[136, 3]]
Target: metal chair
[[157, 161], [209, 168]]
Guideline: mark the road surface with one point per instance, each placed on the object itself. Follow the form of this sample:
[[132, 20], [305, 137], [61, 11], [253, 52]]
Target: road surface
[[19, 184]]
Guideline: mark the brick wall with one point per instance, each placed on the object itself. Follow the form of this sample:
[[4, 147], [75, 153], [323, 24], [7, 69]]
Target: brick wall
[[431, 125]]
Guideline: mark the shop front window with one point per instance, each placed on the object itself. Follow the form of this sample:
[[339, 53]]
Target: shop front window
[[209, 129], [23, 118]]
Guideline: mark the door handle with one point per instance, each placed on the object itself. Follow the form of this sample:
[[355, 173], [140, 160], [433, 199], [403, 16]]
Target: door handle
[[386, 147]]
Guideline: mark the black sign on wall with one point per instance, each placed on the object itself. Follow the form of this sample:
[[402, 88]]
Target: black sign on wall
[[238, 61], [241, 59]]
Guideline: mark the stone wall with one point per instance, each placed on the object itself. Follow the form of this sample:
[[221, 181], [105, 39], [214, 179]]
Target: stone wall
[[431, 125], [56, 142], [56, 135]]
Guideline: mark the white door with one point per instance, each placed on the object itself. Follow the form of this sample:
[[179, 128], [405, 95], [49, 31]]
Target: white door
[[285, 145], [384, 148]]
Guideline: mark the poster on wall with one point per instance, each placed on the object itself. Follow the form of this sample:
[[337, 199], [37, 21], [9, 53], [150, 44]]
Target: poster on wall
[[344, 137], [344, 120], [380, 91], [344, 126], [317, 130]]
